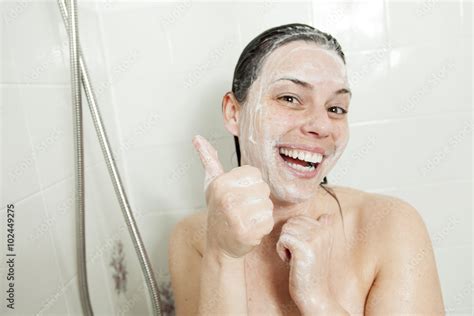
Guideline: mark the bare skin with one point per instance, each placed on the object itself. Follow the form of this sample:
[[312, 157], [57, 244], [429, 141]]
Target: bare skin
[[271, 242], [371, 269]]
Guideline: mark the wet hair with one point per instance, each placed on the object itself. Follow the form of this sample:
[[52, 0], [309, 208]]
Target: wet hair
[[254, 54]]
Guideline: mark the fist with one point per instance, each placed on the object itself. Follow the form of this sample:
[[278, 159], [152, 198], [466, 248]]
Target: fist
[[306, 244], [240, 212]]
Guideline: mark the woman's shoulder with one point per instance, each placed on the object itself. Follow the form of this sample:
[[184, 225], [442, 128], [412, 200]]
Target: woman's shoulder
[[372, 204], [194, 226], [388, 223]]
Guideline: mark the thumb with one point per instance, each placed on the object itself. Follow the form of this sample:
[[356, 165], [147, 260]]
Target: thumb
[[209, 158]]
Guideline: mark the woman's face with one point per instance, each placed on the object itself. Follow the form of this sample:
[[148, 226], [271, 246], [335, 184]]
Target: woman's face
[[297, 101]]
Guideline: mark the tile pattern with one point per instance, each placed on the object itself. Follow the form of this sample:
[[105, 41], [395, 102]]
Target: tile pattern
[[160, 71]]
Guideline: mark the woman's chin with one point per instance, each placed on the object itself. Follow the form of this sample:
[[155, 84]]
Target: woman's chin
[[291, 194]]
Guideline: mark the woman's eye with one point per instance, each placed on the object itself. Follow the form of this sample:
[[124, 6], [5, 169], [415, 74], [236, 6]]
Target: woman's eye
[[288, 98], [337, 110]]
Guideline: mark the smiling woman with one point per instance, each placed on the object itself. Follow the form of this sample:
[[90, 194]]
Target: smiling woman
[[282, 84], [275, 243]]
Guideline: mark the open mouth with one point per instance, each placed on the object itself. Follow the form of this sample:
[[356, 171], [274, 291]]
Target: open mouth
[[301, 161]]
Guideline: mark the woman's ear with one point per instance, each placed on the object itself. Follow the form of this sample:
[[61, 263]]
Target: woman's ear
[[231, 113]]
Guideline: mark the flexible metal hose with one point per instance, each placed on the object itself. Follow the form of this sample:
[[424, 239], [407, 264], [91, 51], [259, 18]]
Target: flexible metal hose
[[79, 157], [70, 22]]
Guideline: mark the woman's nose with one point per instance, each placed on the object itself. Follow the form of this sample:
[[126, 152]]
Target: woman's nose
[[317, 123]]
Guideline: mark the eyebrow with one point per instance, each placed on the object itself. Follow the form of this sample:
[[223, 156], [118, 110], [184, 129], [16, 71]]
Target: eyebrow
[[310, 86]]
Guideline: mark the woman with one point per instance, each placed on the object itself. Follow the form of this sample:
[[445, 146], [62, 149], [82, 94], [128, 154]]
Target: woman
[[274, 239]]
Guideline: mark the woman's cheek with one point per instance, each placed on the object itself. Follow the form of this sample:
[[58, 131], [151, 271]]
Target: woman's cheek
[[281, 118], [342, 136]]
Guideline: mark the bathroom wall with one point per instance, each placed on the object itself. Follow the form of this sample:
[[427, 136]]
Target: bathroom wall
[[159, 70]]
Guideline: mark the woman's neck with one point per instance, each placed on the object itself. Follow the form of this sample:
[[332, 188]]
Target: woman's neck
[[314, 207]]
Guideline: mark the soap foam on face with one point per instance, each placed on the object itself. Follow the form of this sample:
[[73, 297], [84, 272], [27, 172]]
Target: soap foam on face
[[259, 119]]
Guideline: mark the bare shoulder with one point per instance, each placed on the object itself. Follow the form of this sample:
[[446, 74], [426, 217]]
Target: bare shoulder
[[194, 226], [400, 248], [390, 226], [392, 215], [184, 263], [384, 210]]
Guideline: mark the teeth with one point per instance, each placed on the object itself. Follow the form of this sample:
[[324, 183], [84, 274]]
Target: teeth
[[299, 167], [302, 155], [307, 156]]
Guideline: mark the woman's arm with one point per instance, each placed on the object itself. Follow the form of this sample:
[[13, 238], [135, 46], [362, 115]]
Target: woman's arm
[[223, 289], [204, 285], [184, 263], [407, 280]]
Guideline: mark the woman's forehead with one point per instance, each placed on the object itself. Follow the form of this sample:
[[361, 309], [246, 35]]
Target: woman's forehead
[[306, 60]]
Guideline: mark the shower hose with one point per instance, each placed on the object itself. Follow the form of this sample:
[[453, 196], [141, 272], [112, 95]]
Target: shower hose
[[79, 73]]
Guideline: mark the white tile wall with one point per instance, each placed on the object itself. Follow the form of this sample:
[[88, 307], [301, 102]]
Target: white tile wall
[[357, 25], [160, 70], [19, 171], [34, 55], [412, 23], [36, 260]]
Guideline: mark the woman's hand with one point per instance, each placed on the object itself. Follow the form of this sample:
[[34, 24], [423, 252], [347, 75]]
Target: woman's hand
[[240, 212], [306, 243]]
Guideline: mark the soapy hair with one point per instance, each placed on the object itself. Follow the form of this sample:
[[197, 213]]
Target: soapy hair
[[254, 54]]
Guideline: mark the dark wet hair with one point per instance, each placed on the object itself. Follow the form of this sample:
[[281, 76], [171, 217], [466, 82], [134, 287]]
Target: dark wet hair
[[254, 54]]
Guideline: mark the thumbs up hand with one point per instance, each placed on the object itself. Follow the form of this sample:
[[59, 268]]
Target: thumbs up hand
[[240, 212]]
